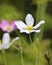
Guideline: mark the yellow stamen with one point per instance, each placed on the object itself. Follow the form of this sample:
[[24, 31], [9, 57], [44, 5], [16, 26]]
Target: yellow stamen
[[29, 28], [8, 28]]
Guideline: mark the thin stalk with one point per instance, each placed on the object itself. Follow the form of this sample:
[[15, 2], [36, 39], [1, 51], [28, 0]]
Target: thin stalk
[[31, 40], [32, 43], [33, 48], [22, 57], [20, 53], [20, 48], [4, 57]]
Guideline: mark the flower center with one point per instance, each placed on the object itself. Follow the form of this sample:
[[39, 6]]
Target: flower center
[[0, 41], [29, 28], [8, 28]]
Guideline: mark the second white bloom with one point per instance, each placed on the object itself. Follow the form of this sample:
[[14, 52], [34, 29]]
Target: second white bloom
[[28, 27], [6, 41]]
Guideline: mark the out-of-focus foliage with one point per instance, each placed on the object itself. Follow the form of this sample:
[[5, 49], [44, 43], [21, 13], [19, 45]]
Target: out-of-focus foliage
[[43, 2], [9, 12]]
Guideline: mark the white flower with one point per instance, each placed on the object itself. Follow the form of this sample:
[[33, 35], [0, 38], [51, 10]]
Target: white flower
[[6, 41], [28, 27]]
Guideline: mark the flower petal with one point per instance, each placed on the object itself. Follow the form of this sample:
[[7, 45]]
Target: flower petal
[[6, 46], [29, 20], [14, 40], [4, 22], [24, 30], [28, 32], [35, 31], [6, 38], [3, 25], [13, 26], [38, 25], [0, 25], [20, 25]]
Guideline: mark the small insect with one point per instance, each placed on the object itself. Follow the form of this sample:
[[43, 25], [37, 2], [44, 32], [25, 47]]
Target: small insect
[[18, 46]]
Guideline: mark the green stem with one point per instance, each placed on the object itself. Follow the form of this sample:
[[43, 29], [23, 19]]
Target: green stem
[[21, 48], [33, 48], [4, 58], [31, 42], [20, 53], [22, 57], [30, 38]]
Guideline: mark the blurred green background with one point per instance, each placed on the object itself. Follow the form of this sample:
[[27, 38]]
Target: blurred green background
[[17, 10]]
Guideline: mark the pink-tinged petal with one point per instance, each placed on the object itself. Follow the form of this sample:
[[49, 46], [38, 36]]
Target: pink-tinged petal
[[13, 26], [8, 27], [0, 25], [4, 24]]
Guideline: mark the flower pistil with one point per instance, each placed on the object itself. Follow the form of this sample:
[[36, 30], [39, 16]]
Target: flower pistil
[[29, 27]]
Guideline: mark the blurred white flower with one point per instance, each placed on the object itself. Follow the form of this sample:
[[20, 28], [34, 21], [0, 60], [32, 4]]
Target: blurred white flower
[[28, 27], [5, 43]]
